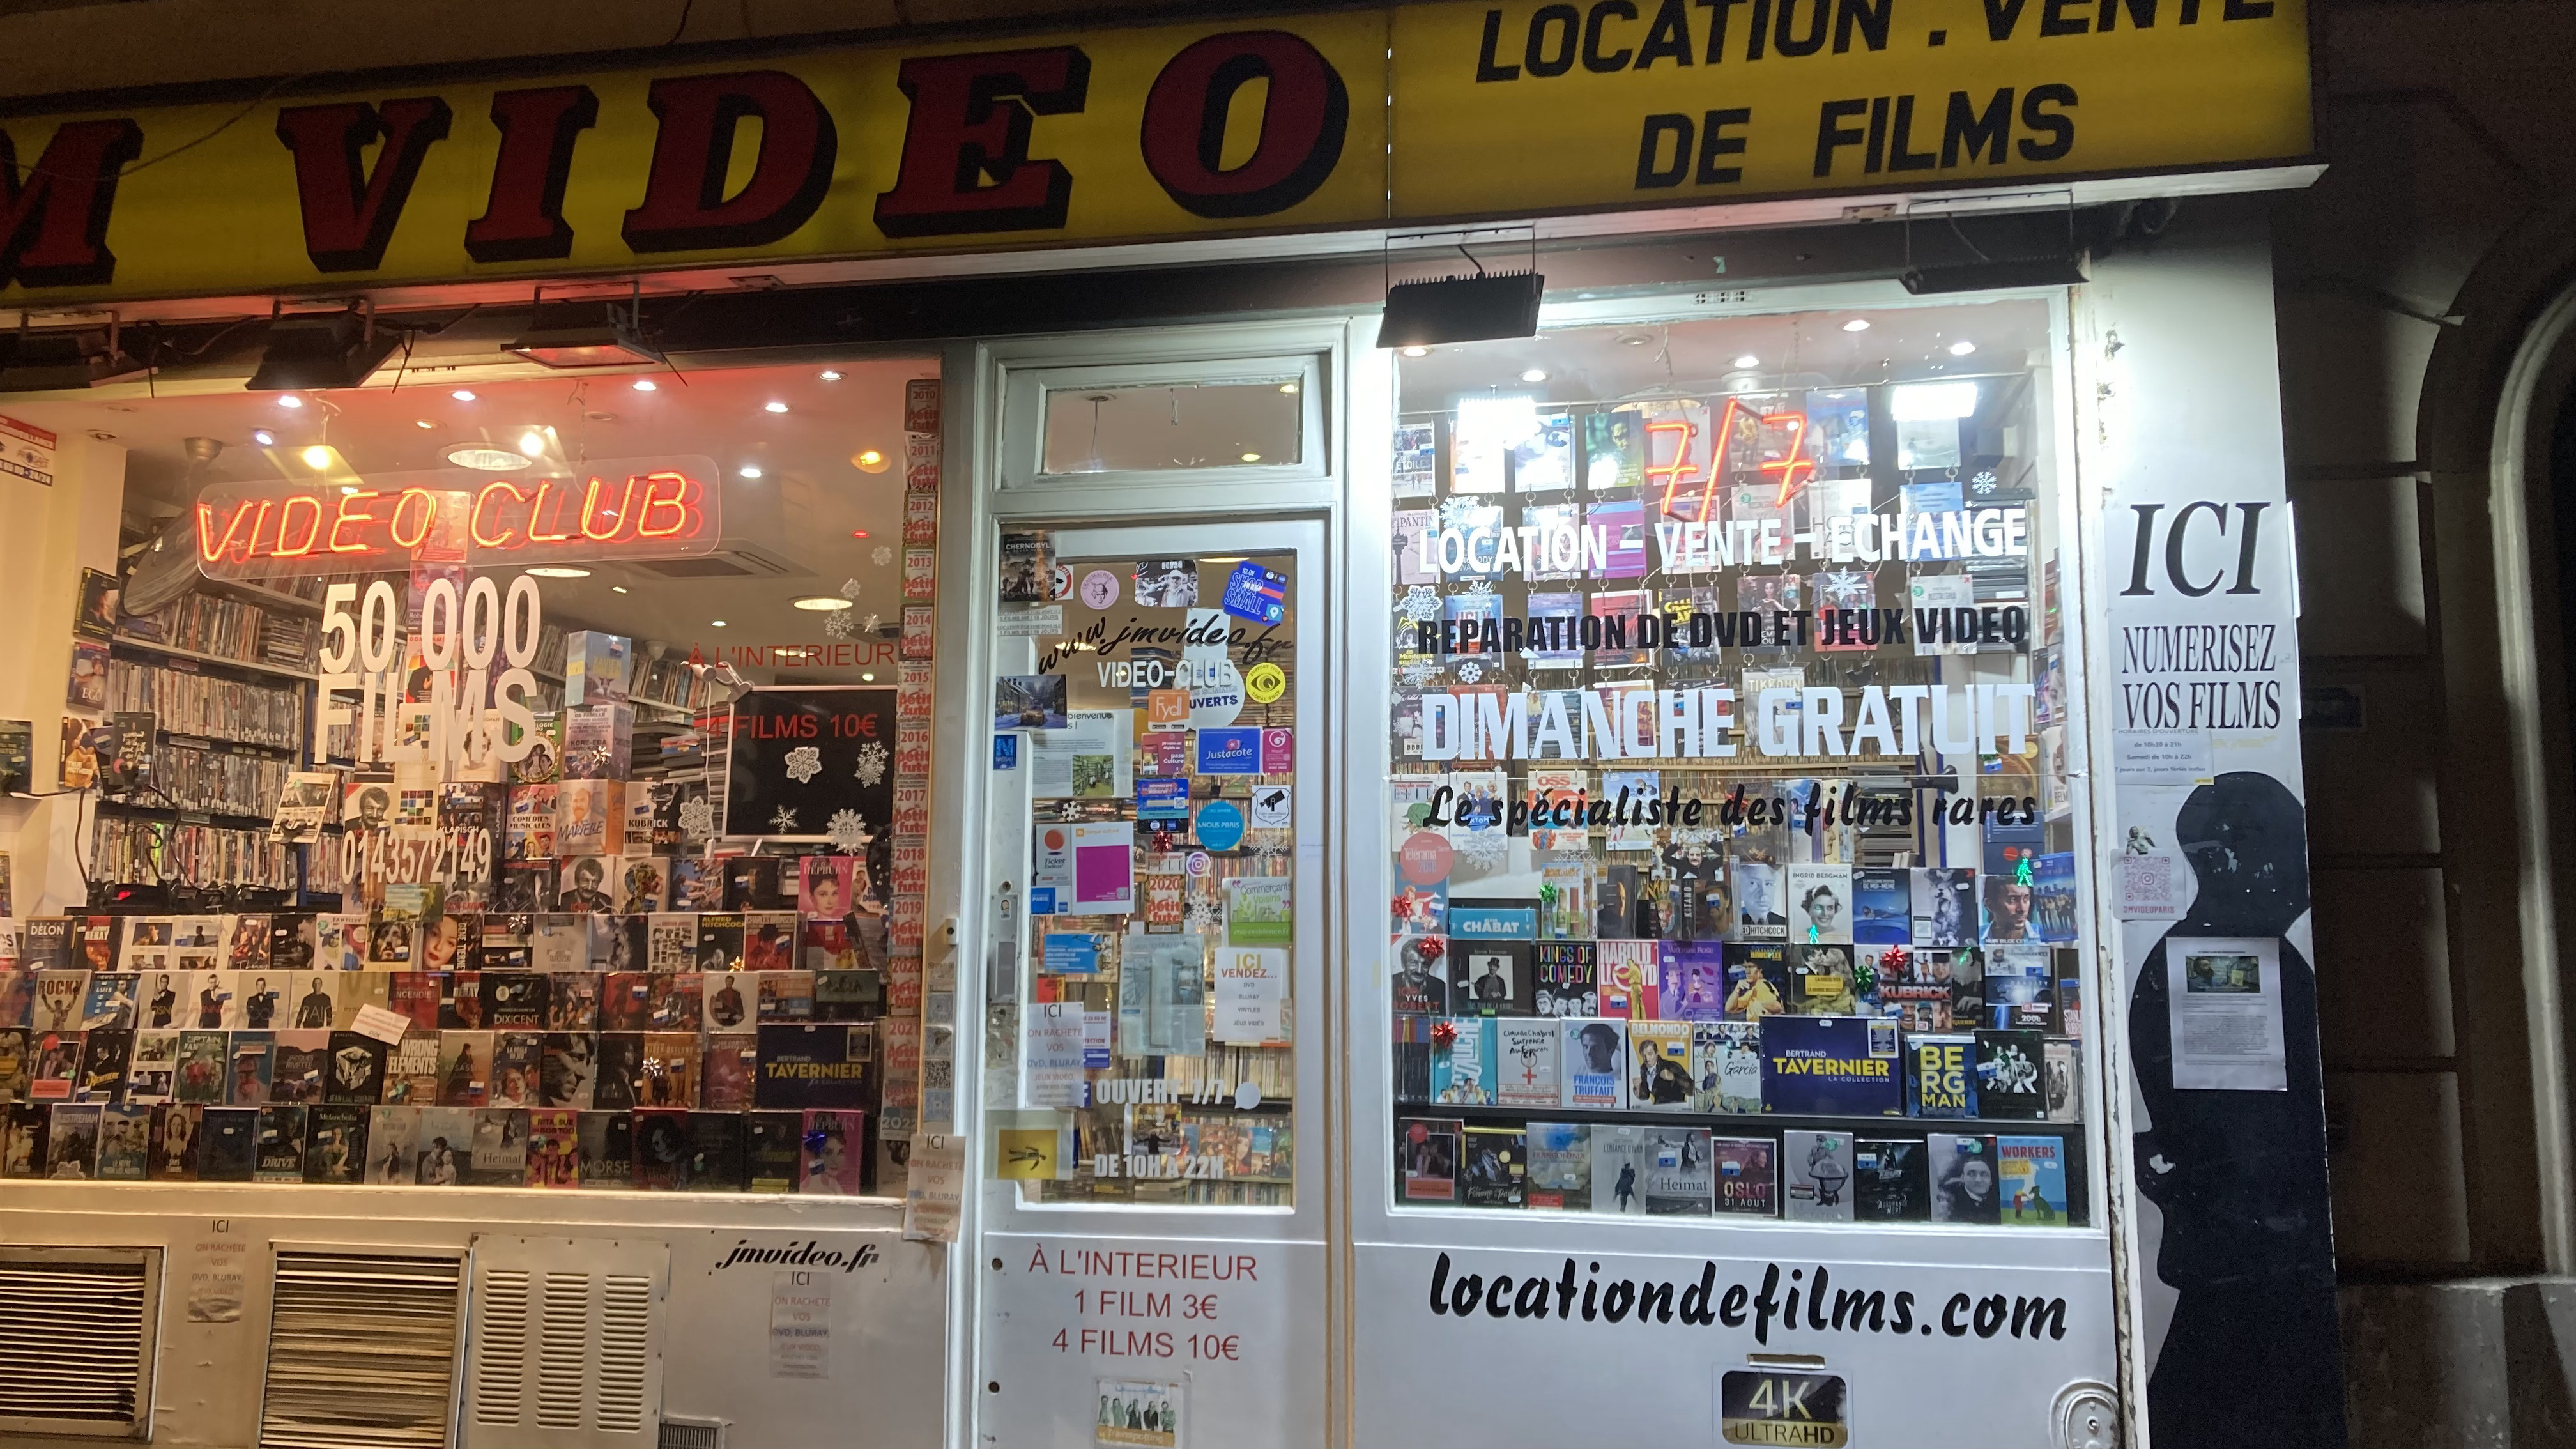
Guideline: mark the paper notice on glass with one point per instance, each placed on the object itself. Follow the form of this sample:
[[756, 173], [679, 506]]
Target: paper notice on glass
[[800, 1324], [1251, 988], [1054, 1053], [936, 1186], [1089, 759], [2223, 1005], [1162, 996], [1096, 1027]]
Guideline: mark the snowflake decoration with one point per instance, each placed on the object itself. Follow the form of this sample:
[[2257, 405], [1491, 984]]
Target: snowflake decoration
[[882, 556], [1471, 671], [871, 621], [872, 762], [1484, 848], [1203, 917], [837, 624], [848, 831], [697, 819], [849, 588], [1421, 604], [1269, 845], [803, 763], [1458, 511], [784, 822]]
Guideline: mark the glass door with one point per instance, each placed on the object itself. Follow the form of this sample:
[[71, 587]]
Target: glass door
[[1155, 1000]]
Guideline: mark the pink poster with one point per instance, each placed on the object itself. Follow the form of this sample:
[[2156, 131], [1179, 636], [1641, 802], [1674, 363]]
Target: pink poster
[[1104, 868]]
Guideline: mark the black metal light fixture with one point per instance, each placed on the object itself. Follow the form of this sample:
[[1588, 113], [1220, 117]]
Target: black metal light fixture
[[586, 334], [39, 359], [327, 350], [1480, 308]]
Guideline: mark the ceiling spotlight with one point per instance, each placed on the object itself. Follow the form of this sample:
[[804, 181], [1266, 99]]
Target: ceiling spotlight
[[823, 604], [1288, 387], [617, 588], [831, 374], [749, 470], [1535, 374], [317, 458], [868, 460], [423, 423], [858, 533], [716, 623], [532, 443], [773, 407], [1857, 324], [1962, 347], [484, 458], [1415, 351], [290, 401], [559, 571], [348, 489], [263, 437], [869, 678], [1748, 360], [1252, 457], [646, 384], [463, 394]]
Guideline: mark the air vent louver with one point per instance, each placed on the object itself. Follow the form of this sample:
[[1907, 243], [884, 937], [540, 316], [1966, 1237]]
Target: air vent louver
[[361, 1351], [566, 1344], [76, 1328]]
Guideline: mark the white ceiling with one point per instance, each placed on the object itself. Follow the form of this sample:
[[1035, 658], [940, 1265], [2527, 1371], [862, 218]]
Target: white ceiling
[[806, 506], [1789, 350]]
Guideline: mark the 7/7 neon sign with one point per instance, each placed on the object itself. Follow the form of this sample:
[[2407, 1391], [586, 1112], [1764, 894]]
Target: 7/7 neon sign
[[1795, 463], [636, 508]]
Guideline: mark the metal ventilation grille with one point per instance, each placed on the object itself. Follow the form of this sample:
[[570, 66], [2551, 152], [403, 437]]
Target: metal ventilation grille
[[625, 1350], [501, 1349], [566, 1344], [76, 1339], [680, 1433], [361, 1351], [560, 1356]]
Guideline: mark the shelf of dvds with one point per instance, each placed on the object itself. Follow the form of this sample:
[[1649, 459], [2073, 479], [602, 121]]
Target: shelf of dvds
[[147, 646], [264, 597], [191, 817], [222, 746]]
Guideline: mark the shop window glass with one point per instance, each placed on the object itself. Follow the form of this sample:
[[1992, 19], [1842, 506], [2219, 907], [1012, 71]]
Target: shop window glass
[[1162, 426], [660, 931], [1736, 872], [1144, 990]]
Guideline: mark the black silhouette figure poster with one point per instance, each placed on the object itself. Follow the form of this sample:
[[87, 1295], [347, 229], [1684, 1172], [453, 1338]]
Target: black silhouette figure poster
[[2243, 1247]]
